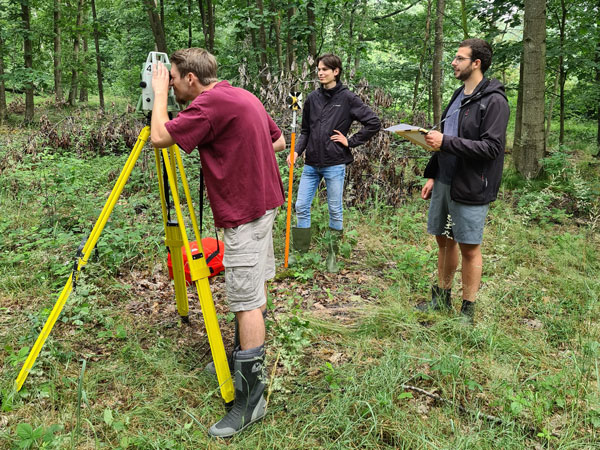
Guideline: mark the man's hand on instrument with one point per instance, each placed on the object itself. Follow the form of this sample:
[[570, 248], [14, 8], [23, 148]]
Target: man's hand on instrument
[[339, 137], [434, 139], [160, 79]]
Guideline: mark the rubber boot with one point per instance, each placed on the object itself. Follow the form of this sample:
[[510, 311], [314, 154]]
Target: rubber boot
[[210, 367], [467, 312], [300, 243], [440, 300], [333, 244], [249, 404]]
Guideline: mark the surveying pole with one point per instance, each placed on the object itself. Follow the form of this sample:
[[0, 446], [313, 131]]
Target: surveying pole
[[169, 160], [294, 102]]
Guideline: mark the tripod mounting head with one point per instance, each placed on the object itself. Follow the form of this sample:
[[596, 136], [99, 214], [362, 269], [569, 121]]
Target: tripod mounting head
[[146, 100]]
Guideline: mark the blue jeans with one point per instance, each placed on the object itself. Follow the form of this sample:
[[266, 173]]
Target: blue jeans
[[309, 182]]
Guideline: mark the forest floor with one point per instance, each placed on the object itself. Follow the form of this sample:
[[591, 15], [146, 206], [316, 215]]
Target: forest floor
[[351, 363]]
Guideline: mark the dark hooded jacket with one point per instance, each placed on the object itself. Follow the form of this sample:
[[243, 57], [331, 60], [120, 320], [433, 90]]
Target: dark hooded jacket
[[479, 146], [326, 110]]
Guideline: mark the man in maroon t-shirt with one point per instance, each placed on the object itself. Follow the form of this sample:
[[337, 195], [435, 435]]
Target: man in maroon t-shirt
[[236, 139]]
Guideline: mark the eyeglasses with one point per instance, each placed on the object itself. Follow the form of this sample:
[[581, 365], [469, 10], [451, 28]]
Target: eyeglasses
[[460, 59]]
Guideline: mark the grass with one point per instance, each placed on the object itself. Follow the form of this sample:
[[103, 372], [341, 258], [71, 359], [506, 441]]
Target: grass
[[119, 370]]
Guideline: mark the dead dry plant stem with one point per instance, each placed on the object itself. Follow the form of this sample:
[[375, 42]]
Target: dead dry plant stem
[[488, 417], [272, 378]]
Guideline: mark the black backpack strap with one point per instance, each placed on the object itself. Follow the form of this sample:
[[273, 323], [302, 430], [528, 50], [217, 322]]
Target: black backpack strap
[[201, 195]]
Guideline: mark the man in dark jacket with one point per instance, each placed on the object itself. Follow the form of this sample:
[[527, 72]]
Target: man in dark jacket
[[464, 175], [326, 119]]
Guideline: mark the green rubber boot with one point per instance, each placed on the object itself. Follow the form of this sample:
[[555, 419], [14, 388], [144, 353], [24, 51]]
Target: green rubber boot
[[210, 367], [300, 243], [440, 300], [333, 244], [249, 405]]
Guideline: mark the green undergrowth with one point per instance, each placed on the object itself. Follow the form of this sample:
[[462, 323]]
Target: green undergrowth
[[357, 366]]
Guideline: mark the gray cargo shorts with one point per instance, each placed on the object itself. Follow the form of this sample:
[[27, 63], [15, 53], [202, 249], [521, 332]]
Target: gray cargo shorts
[[459, 221], [249, 261]]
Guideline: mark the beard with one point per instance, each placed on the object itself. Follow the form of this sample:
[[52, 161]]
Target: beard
[[464, 75]]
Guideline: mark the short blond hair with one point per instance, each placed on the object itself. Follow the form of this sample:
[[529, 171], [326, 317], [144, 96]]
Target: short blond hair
[[197, 61]]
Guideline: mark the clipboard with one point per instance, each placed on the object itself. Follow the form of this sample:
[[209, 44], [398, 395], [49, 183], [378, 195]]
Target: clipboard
[[414, 134]]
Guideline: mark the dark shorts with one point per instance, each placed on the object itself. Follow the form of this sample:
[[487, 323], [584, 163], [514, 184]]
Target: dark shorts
[[461, 222]]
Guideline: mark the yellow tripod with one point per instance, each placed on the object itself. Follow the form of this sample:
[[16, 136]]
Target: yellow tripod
[[175, 238]]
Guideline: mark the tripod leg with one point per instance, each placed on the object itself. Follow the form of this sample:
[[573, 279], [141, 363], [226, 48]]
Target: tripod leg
[[173, 240], [215, 340], [199, 273], [87, 250]]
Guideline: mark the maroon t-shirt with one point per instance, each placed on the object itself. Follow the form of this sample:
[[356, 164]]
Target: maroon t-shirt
[[235, 135]]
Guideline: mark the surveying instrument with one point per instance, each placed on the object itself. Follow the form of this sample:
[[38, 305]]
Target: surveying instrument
[[176, 238]]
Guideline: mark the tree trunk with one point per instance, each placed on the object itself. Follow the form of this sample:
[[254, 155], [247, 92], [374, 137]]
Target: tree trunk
[[58, 91], [203, 23], [312, 27], [211, 25], [551, 107], [28, 57], [289, 41], [463, 19], [277, 28], [3, 108], [189, 5], [361, 38], [423, 56], [156, 24], [76, 58], [251, 31], [438, 53], [208, 24], [350, 41], [528, 160], [598, 94], [98, 59], [262, 39], [517, 147], [83, 92], [562, 70], [162, 15]]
